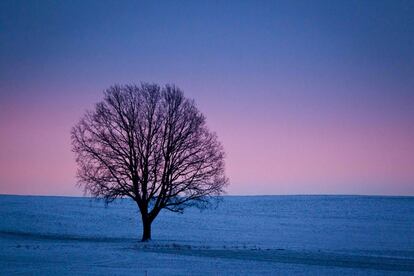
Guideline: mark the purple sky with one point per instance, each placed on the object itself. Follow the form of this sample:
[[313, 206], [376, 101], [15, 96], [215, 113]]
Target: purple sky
[[307, 97]]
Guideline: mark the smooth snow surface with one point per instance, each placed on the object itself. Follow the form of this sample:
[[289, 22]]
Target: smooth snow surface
[[323, 235]]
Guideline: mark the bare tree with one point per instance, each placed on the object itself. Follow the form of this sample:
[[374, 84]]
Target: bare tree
[[150, 144]]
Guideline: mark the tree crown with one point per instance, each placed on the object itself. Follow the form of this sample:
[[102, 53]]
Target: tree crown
[[149, 143]]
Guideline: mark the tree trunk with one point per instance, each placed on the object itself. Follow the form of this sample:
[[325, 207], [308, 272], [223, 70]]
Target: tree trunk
[[146, 229]]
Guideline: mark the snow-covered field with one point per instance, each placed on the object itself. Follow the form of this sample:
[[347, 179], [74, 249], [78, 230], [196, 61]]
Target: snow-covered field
[[323, 235]]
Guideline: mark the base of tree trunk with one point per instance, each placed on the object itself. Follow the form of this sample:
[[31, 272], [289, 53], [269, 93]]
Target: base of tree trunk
[[146, 233]]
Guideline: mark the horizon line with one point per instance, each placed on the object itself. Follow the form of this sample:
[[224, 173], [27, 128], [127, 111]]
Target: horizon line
[[227, 195]]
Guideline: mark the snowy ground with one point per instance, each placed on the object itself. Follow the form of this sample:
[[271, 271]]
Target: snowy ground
[[323, 235]]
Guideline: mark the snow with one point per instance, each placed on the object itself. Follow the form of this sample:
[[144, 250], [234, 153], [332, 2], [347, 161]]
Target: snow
[[321, 235]]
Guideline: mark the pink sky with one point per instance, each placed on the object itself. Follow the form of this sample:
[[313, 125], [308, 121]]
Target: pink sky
[[274, 149]]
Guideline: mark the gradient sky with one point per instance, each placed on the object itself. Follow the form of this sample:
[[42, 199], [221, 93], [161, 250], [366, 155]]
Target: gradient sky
[[307, 97]]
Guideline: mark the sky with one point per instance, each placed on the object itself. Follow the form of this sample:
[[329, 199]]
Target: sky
[[307, 97]]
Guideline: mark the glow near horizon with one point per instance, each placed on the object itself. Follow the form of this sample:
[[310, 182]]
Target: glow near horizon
[[306, 99]]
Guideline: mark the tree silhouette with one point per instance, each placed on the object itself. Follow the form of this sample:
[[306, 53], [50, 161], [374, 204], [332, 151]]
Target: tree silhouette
[[151, 144]]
